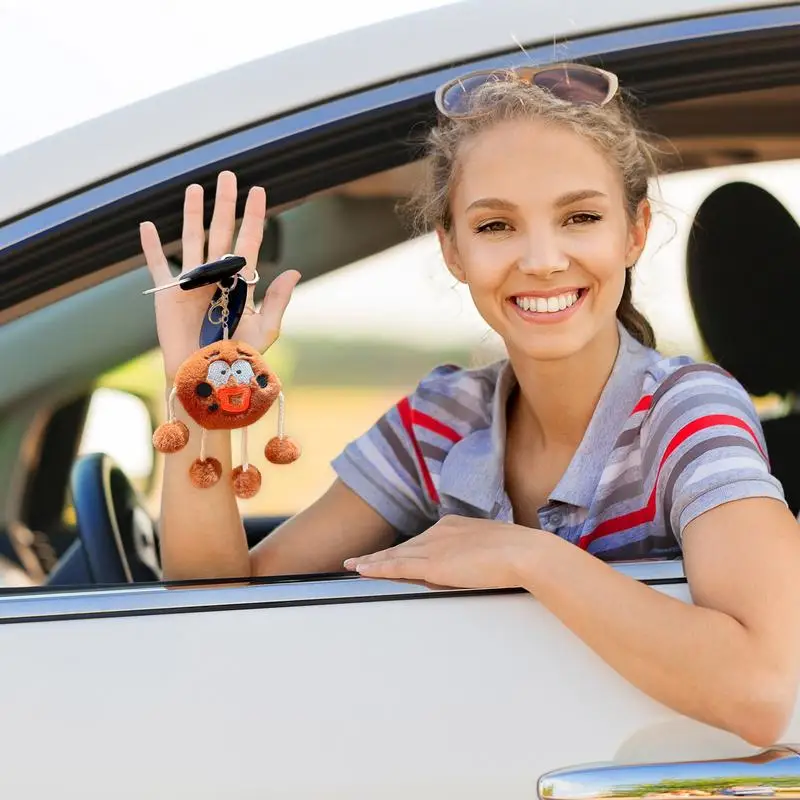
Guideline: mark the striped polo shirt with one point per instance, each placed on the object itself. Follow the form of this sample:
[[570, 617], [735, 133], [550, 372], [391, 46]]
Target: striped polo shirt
[[669, 439]]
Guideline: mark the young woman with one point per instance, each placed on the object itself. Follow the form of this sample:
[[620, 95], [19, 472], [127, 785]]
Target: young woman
[[583, 447]]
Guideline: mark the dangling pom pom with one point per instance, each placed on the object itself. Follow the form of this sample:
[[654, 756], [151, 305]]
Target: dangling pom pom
[[282, 450], [205, 473], [246, 482], [170, 437]]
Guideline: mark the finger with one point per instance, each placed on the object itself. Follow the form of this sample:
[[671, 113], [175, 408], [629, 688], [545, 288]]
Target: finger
[[223, 220], [275, 301], [193, 237], [251, 231], [352, 563], [405, 550], [401, 568], [154, 254]]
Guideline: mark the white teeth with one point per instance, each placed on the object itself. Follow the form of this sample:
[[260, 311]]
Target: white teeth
[[547, 305]]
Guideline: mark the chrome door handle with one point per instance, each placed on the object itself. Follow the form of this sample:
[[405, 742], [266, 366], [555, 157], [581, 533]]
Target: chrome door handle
[[774, 772]]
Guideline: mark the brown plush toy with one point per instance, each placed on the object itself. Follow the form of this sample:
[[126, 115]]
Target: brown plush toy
[[224, 386]]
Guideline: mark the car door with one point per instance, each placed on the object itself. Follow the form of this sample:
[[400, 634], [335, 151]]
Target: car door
[[329, 686]]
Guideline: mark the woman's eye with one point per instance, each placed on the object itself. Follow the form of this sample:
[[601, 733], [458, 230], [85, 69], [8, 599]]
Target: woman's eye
[[493, 227], [218, 373], [242, 371], [582, 218]]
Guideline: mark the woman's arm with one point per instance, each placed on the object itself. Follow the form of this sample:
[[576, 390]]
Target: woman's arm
[[202, 535], [732, 660]]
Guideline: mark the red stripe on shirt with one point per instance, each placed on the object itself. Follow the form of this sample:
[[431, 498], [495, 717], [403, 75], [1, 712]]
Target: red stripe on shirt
[[643, 404], [406, 417], [647, 514], [432, 424]]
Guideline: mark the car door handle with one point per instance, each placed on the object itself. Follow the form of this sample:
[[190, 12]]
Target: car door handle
[[774, 772]]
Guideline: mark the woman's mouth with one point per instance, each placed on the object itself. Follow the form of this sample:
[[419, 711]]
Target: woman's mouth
[[548, 308]]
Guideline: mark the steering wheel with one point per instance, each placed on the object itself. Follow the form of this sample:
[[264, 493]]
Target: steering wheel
[[117, 533]]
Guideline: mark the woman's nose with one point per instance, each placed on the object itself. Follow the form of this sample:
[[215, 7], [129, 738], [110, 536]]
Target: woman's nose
[[543, 256]]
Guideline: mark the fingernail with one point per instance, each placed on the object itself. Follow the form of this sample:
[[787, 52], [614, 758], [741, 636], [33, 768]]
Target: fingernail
[[348, 562]]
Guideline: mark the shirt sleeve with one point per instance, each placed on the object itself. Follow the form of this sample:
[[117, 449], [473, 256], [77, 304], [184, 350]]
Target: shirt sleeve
[[703, 446], [386, 466]]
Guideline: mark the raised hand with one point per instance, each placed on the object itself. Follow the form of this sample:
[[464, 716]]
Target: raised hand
[[179, 313]]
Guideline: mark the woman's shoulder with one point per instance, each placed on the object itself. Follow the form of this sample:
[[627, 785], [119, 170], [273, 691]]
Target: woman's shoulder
[[698, 387], [452, 377], [461, 397]]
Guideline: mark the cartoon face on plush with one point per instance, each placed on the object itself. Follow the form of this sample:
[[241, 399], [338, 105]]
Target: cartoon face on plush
[[226, 385]]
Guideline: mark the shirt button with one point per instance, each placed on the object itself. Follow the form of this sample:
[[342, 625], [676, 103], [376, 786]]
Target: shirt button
[[556, 518]]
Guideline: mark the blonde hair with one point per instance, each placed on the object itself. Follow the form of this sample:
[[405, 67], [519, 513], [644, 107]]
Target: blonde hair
[[612, 129]]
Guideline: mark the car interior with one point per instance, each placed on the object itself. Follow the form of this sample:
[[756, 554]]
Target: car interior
[[740, 267]]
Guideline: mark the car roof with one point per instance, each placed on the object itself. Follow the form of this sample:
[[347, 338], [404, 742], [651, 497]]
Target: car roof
[[67, 161]]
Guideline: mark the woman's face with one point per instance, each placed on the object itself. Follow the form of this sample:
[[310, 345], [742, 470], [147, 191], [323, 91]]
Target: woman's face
[[541, 236]]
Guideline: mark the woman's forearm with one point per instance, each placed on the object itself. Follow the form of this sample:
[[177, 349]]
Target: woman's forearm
[[665, 647], [202, 535]]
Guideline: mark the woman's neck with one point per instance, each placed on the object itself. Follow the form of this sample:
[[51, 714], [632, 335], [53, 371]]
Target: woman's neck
[[556, 399]]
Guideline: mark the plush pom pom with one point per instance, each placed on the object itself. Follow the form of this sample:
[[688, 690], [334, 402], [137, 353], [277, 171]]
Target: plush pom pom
[[282, 450], [170, 437], [205, 473], [246, 482]]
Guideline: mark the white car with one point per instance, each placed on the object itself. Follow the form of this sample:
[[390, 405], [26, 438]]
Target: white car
[[116, 685]]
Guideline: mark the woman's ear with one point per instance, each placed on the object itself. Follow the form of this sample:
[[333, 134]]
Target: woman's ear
[[450, 254], [638, 232]]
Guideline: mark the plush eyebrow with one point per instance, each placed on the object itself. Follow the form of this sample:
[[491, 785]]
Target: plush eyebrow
[[243, 353], [215, 354]]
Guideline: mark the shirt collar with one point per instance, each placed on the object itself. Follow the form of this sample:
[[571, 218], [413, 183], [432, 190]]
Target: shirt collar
[[620, 394], [472, 472]]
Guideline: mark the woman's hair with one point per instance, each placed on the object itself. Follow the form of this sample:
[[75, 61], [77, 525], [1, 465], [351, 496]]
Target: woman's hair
[[611, 129]]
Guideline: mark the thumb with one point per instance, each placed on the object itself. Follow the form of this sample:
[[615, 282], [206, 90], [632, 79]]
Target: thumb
[[275, 302]]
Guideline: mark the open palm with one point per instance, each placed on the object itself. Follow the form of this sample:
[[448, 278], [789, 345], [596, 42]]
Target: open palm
[[179, 314]]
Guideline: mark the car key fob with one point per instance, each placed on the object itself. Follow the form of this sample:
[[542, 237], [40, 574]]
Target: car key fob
[[221, 271]]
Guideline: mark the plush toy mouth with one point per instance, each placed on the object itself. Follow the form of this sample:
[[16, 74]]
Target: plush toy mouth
[[234, 399]]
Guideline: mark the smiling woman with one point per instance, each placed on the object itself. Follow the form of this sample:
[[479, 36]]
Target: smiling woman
[[584, 446]]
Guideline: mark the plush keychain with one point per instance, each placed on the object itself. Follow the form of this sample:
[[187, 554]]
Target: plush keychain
[[225, 385]]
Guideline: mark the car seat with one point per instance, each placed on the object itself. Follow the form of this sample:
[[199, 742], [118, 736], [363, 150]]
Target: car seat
[[743, 272]]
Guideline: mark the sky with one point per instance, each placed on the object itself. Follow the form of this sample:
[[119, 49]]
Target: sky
[[76, 59]]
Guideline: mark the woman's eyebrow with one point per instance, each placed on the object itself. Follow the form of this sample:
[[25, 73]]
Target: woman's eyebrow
[[492, 202], [575, 197]]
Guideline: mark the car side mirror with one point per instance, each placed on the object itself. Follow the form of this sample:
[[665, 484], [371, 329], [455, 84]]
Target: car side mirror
[[121, 425]]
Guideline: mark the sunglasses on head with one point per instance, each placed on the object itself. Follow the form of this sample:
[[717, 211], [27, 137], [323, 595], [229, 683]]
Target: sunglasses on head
[[574, 83]]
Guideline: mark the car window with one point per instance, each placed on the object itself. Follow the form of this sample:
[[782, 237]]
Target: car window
[[357, 340]]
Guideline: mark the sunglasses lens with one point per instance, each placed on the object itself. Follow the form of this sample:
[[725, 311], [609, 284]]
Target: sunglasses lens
[[573, 84], [457, 98]]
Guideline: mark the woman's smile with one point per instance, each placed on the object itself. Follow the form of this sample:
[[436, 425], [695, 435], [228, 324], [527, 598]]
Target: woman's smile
[[548, 308]]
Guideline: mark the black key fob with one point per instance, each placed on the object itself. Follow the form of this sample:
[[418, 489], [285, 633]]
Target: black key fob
[[213, 329], [220, 271]]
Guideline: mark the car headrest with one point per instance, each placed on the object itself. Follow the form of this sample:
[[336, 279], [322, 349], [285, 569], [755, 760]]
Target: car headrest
[[743, 271]]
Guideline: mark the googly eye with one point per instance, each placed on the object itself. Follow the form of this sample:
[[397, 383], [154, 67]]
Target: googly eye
[[242, 371], [219, 373]]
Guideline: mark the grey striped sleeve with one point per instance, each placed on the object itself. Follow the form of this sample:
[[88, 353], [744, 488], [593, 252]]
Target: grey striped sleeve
[[703, 446], [380, 467]]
